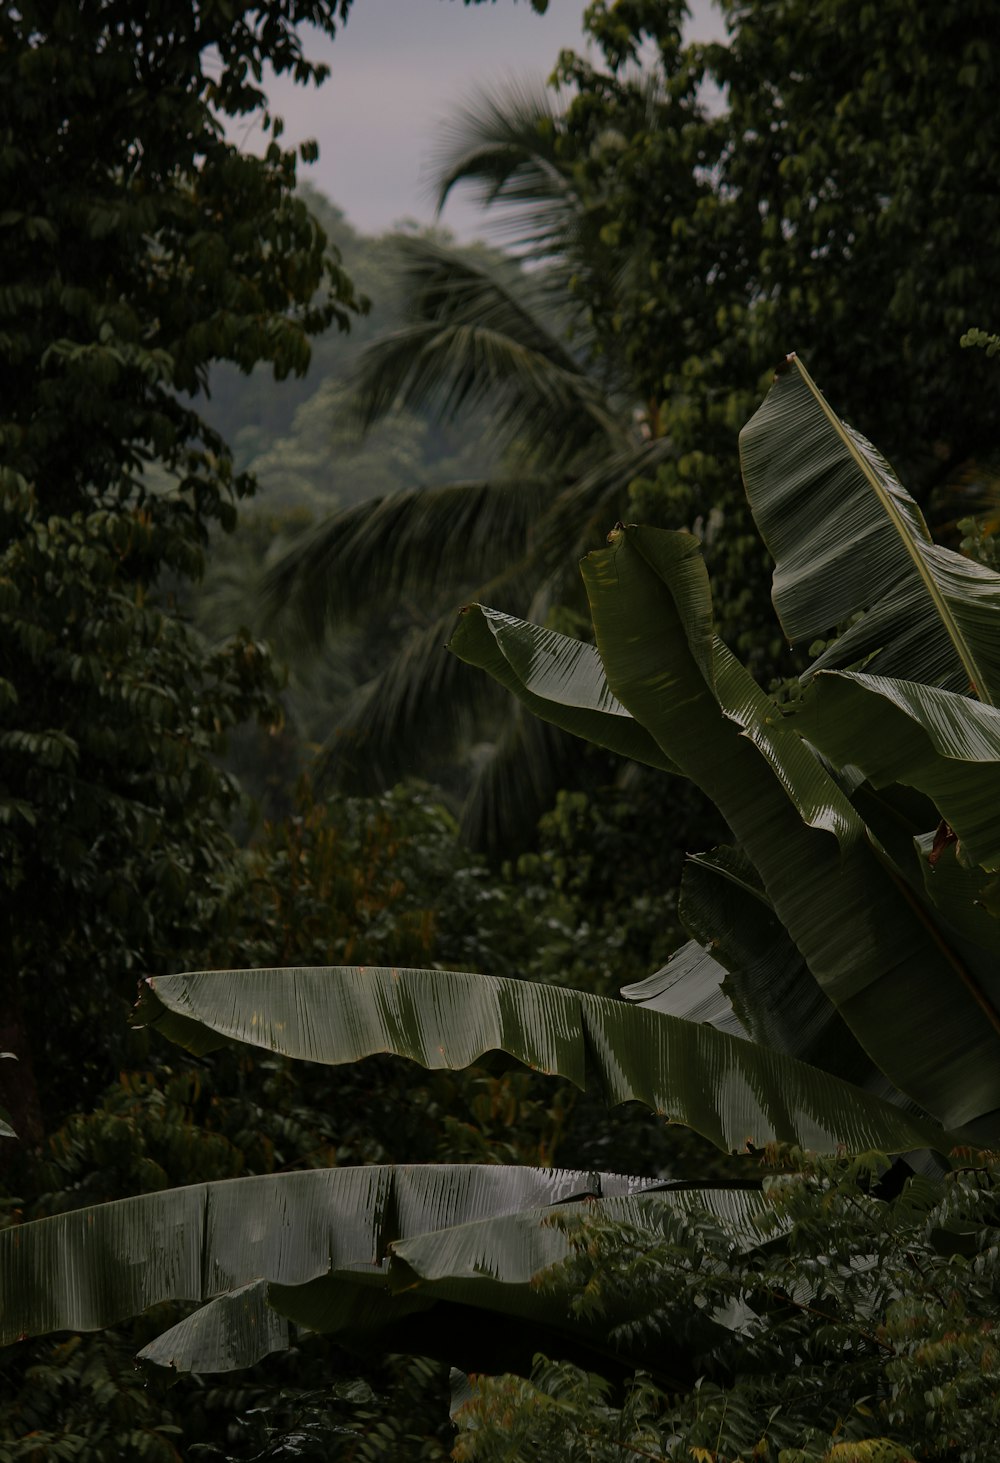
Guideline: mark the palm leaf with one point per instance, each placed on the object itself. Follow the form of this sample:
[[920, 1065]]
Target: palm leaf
[[515, 781], [910, 1001], [420, 708], [370, 557], [847, 539], [503, 145], [726, 1089], [480, 333]]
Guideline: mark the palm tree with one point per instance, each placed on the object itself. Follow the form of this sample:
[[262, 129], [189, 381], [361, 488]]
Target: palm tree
[[507, 337]]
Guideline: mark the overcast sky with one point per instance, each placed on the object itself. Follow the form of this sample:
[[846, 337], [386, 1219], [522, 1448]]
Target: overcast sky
[[397, 70]]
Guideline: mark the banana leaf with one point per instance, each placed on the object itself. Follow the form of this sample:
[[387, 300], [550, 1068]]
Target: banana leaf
[[236, 1329], [847, 538], [93, 1267], [690, 986], [766, 979], [559, 679], [726, 1089], [563, 681], [510, 1268], [944, 745], [909, 1000], [358, 1253]]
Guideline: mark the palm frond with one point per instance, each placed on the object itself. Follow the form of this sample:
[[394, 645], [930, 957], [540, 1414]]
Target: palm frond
[[368, 558], [424, 705], [415, 714], [517, 780], [502, 143], [482, 333], [586, 509]]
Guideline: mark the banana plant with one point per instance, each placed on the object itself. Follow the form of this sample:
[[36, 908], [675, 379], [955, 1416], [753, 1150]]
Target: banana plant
[[840, 990]]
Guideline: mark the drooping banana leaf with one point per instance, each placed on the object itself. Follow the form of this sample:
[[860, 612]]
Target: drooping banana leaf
[[383, 1256], [496, 1266], [93, 1267], [766, 979], [563, 681], [559, 679], [846, 538], [236, 1329], [944, 745], [689, 986], [908, 999], [726, 1089]]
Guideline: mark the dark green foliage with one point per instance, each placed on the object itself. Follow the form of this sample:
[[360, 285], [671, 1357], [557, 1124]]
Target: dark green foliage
[[85, 1399], [692, 214], [834, 202], [861, 1329], [838, 205], [144, 246], [589, 932], [138, 246], [114, 718]]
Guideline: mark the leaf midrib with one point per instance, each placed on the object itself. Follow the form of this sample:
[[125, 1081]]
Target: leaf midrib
[[977, 680]]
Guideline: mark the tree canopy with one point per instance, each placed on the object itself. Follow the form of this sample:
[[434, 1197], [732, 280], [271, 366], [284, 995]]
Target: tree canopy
[[140, 246]]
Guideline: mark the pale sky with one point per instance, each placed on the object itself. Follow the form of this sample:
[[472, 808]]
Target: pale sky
[[397, 70]]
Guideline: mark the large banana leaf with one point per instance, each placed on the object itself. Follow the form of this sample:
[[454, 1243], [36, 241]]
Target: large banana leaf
[[559, 679], [563, 680], [92, 1267], [847, 537], [359, 1253], [909, 999], [766, 979], [495, 1264], [690, 986], [940, 743], [728, 1090]]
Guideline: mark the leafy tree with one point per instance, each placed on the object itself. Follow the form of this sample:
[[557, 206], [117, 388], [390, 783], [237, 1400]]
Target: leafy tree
[[139, 247]]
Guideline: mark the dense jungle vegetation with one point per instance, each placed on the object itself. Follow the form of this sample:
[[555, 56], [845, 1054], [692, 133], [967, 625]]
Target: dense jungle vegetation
[[620, 1077]]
